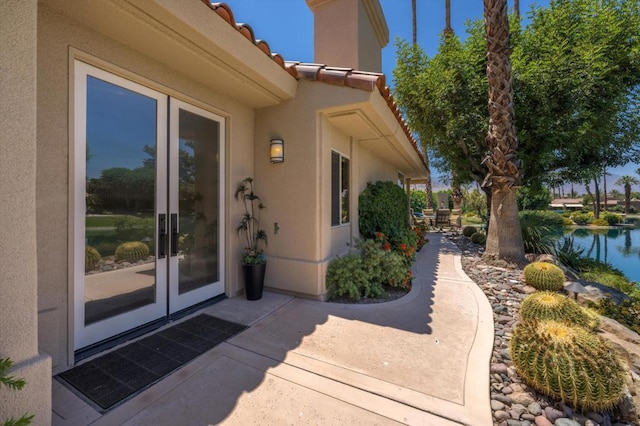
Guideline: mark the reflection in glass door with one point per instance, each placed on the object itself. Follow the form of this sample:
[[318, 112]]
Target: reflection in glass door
[[120, 157], [147, 205], [195, 200]]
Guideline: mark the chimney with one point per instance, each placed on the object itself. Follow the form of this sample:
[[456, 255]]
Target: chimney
[[349, 33]]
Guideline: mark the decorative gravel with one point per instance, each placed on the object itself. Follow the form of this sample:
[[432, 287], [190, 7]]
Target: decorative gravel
[[512, 402]]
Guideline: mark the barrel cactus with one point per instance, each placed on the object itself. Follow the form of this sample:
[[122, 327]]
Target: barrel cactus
[[544, 276], [469, 230], [569, 363], [91, 258], [547, 305], [479, 238], [132, 251]]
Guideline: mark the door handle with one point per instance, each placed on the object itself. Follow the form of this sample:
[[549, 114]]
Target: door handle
[[162, 236], [174, 234]]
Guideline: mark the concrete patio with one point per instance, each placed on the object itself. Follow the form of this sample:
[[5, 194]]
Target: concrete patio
[[420, 360]]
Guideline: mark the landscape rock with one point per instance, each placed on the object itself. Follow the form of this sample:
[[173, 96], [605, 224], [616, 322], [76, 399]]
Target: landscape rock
[[542, 421], [514, 403], [566, 422]]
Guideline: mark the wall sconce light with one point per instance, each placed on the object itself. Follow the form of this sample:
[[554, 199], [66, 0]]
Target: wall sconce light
[[277, 151]]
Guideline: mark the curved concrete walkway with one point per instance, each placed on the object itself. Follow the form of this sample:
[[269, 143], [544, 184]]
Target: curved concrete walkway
[[420, 360]]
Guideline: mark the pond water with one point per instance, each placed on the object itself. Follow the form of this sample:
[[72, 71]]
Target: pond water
[[618, 246]]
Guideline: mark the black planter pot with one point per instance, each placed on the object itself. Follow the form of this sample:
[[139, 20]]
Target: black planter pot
[[254, 280]]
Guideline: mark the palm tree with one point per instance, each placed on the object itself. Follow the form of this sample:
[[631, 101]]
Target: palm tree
[[447, 20], [627, 181], [516, 7], [414, 22], [615, 194], [504, 239]]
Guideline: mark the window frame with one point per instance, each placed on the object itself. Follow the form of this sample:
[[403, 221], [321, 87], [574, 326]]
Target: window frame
[[340, 198]]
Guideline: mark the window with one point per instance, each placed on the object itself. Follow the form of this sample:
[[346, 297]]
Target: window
[[339, 189]]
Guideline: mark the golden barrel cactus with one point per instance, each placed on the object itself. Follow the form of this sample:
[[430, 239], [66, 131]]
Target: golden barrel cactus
[[132, 251], [91, 258], [544, 276], [569, 363], [547, 305]]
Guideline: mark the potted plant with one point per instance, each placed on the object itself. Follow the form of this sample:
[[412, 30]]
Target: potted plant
[[254, 262]]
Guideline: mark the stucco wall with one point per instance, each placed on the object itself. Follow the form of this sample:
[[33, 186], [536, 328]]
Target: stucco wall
[[18, 280], [59, 39], [369, 48], [298, 192]]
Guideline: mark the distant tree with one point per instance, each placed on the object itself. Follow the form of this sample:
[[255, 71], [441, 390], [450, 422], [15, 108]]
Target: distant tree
[[476, 202], [615, 194], [533, 198], [418, 200], [627, 181], [576, 92]]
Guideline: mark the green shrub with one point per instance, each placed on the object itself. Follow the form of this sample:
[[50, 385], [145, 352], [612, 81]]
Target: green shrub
[[567, 214], [365, 274], [599, 222], [582, 218], [130, 228], [546, 305], [544, 276], [346, 275], [479, 238], [552, 221], [383, 208], [568, 363], [132, 251], [91, 258], [13, 383], [626, 313], [613, 279], [384, 264], [567, 222], [540, 230], [418, 200], [469, 230], [568, 253], [612, 219]]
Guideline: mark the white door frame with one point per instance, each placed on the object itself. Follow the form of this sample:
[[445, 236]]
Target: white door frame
[[167, 299]]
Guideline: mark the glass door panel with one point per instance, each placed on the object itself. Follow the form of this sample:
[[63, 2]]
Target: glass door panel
[[120, 151], [195, 200]]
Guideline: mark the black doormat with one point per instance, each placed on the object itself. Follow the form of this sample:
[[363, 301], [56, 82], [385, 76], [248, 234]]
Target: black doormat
[[113, 377]]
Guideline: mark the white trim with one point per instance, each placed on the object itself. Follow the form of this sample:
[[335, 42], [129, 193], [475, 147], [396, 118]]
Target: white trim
[[341, 156], [85, 335], [180, 301]]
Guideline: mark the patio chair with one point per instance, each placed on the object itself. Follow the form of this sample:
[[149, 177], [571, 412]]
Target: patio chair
[[442, 219], [429, 215], [455, 220]]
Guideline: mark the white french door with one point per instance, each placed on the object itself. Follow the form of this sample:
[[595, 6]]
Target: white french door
[[195, 200], [147, 217]]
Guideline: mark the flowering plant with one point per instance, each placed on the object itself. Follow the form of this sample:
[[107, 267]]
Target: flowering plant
[[249, 226]]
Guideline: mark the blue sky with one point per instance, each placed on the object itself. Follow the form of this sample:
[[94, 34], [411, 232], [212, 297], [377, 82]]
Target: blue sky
[[287, 26]]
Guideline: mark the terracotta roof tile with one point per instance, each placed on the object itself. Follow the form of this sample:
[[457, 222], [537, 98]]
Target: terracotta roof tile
[[224, 11], [362, 80], [348, 77]]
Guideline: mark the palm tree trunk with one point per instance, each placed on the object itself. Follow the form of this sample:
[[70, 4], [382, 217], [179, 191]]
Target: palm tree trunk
[[627, 198], [456, 192], [604, 183], [504, 239], [447, 22], [414, 22], [596, 211], [516, 7]]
